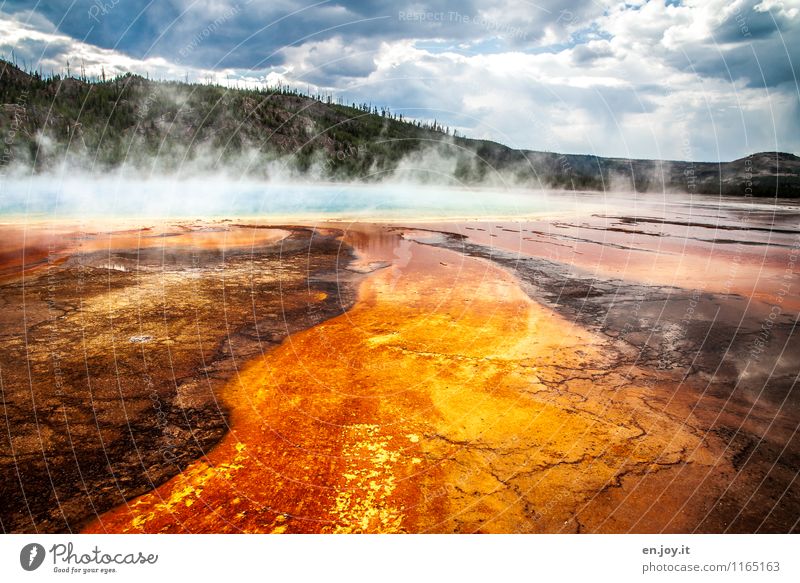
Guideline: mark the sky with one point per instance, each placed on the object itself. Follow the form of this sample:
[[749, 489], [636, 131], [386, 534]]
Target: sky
[[690, 80]]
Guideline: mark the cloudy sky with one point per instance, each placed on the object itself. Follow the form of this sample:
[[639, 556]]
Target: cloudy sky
[[694, 79]]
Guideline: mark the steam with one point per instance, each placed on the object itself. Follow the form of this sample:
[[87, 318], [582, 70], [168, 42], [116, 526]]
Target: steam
[[440, 179], [207, 160], [84, 195]]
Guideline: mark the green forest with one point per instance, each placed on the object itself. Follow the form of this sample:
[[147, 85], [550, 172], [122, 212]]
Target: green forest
[[165, 126]]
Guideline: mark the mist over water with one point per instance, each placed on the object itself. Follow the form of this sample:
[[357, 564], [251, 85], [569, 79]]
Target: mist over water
[[52, 197], [413, 192]]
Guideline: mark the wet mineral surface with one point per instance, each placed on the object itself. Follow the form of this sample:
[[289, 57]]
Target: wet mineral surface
[[114, 345], [460, 377], [470, 391]]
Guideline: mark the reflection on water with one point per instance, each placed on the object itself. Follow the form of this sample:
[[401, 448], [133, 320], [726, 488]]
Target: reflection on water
[[372, 242], [25, 247], [720, 245]]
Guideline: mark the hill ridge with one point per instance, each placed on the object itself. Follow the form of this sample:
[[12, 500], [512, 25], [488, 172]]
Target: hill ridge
[[168, 126]]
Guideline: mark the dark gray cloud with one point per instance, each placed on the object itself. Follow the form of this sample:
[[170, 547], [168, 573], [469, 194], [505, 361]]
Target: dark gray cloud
[[758, 46], [586, 53]]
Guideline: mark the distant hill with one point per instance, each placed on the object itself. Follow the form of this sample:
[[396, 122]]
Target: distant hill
[[178, 127]]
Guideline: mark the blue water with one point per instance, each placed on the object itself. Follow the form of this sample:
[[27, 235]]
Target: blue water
[[75, 197]]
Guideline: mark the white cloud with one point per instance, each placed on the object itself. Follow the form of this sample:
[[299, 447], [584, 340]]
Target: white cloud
[[651, 80], [49, 50], [788, 8]]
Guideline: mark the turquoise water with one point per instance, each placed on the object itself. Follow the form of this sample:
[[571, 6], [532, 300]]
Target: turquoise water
[[54, 198]]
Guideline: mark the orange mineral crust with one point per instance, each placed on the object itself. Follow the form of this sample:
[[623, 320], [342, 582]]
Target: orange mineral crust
[[445, 400], [25, 248], [111, 358]]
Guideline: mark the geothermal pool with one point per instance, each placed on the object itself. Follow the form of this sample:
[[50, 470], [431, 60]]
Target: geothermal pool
[[592, 363]]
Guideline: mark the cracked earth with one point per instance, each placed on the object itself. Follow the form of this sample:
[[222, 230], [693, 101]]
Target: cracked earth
[[446, 400], [427, 382]]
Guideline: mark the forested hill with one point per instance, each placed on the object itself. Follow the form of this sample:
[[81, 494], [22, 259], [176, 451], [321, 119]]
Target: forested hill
[[100, 125]]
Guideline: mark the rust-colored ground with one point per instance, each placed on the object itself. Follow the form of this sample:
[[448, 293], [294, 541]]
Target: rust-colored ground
[[24, 250], [717, 250], [477, 384], [114, 345], [444, 401]]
